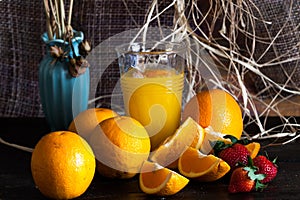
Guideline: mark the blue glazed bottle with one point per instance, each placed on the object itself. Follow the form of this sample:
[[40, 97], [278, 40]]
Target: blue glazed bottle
[[63, 96]]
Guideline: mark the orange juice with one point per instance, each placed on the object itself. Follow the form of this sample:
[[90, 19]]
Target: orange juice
[[154, 99]]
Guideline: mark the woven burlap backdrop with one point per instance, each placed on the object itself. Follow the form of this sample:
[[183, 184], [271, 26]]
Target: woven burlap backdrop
[[21, 26], [284, 33], [21, 49]]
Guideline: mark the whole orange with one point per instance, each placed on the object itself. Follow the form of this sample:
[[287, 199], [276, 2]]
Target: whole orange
[[85, 122], [62, 165], [218, 109], [121, 144]]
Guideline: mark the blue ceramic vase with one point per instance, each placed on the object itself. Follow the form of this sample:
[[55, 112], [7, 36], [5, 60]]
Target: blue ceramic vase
[[62, 96]]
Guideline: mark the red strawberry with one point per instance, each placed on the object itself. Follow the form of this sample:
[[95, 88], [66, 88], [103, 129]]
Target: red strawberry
[[243, 179], [233, 154], [265, 166]]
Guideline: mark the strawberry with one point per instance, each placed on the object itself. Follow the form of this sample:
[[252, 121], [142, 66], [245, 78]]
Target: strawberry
[[265, 166], [234, 153], [244, 179]]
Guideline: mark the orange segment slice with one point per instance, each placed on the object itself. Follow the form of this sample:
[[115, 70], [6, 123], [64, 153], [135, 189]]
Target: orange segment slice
[[190, 133], [193, 164], [155, 179], [253, 148], [211, 136]]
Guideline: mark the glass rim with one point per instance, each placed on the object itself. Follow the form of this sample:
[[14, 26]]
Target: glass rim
[[149, 47]]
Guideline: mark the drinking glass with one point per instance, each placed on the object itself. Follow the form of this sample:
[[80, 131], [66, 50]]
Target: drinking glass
[[152, 80]]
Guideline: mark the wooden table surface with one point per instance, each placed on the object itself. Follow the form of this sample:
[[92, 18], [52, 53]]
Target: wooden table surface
[[16, 181]]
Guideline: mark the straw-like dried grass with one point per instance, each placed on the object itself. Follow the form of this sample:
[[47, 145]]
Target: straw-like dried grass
[[226, 29]]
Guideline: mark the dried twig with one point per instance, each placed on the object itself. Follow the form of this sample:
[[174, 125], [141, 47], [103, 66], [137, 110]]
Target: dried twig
[[48, 22], [70, 13], [16, 146], [55, 18], [62, 17]]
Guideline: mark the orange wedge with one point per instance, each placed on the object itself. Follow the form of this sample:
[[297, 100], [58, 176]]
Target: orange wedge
[[190, 133], [253, 148], [211, 136], [207, 168], [157, 180]]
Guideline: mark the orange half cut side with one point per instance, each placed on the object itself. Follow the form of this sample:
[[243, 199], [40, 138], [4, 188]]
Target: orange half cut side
[[193, 164], [157, 180]]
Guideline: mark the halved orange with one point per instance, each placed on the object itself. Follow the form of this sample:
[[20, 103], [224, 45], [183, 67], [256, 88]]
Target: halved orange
[[193, 164], [190, 133], [253, 148], [157, 180]]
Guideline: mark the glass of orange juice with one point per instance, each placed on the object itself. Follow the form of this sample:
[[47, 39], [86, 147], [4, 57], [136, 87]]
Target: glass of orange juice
[[152, 80]]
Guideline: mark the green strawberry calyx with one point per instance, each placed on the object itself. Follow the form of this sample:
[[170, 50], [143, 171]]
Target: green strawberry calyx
[[218, 146], [251, 169], [273, 161]]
